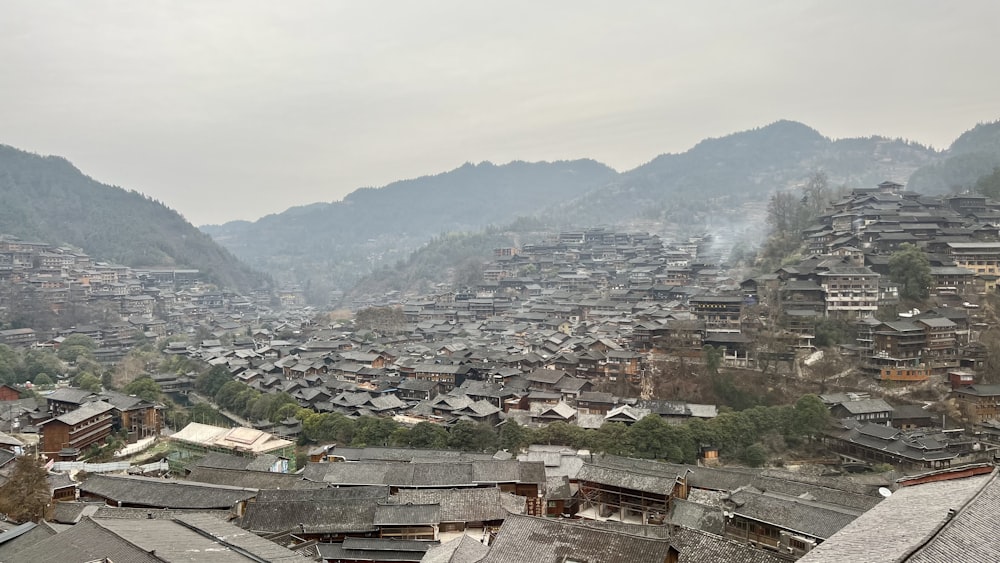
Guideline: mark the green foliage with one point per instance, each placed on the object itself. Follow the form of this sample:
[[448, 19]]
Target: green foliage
[[514, 437], [89, 382], [911, 269], [472, 437], [732, 396], [43, 380], [205, 414], [811, 417], [211, 381], [753, 455], [425, 435], [832, 332], [10, 365], [144, 388]]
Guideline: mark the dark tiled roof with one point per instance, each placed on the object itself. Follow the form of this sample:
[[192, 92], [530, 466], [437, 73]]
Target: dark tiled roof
[[465, 505], [464, 549], [407, 514], [374, 493], [612, 476], [83, 542], [544, 540], [703, 547], [800, 515], [251, 479], [22, 537], [919, 515], [164, 493], [341, 516]]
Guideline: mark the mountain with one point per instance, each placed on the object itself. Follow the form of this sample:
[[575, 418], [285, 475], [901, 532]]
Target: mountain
[[721, 174], [331, 245], [46, 198], [718, 184], [973, 154]]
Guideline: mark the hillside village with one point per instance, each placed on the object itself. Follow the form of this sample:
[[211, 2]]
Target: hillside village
[[596, 330]]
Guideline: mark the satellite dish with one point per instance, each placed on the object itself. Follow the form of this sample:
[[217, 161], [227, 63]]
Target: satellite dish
[[884, 492]]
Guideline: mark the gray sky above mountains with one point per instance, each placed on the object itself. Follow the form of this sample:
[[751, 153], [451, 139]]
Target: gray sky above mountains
[[235, 109]]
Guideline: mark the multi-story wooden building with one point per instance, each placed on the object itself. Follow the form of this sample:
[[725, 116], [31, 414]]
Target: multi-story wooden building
[[978, 402], [66, 436]]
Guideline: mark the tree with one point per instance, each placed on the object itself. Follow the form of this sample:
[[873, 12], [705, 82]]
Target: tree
[[9, 364], [713, 359], [373, 431], [754, 455], [472, 437], [514, 437], [26, 496], [42, 380], [910, 268], [811, 416], [88, 382], [212, 380], [427, 435], [75, 346], [144, 388]]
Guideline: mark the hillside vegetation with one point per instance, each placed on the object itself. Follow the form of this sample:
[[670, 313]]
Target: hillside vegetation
[[45, 198], [720, 186]]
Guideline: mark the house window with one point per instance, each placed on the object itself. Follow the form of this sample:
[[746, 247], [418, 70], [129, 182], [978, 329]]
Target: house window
[[797, 544]]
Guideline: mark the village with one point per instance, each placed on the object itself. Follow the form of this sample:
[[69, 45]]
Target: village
[[604, 348]]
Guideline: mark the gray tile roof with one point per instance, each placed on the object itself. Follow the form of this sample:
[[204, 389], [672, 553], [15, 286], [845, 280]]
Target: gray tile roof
[[702, 547], [82, 543], [251, 479], [88, 410], [912, 516], [22, 537], [407, 514], [659, 484], [164, 493], [326, 517], [464, 549], [796, 514], [375, 493], [546, 540], [429, 474], [465, 505]]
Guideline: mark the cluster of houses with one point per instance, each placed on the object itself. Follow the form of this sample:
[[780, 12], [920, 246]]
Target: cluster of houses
[[548, 504], [140, 303]]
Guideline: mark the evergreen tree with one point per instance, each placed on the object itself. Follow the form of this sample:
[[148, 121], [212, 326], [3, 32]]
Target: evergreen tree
[[910, 268]]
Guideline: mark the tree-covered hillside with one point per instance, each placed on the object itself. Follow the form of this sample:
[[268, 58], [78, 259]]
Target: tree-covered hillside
[[717, 176], [332, 245], [973, 155], [47, 199]]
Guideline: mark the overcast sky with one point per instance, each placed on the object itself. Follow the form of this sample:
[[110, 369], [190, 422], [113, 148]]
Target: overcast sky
[[233, 110]]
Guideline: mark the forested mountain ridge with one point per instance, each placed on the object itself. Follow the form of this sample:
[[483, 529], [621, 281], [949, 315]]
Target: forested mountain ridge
[[974, 154], [718, 182], [45, 198], [719, 174], [331, 245]]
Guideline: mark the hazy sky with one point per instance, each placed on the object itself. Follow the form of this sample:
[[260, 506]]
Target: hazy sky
[[233, 110]]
